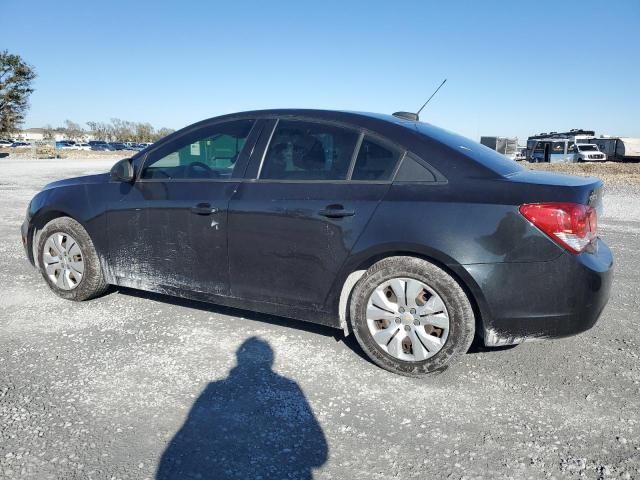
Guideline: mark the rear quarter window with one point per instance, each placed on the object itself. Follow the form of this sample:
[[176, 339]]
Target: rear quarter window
[[412, 170]]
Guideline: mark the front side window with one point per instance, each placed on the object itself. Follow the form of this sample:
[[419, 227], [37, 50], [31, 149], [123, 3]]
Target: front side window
[[308, 151], [557, 147], [209, 153], [375, 161]]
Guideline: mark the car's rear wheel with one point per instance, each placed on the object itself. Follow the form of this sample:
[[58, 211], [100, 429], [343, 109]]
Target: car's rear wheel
[[68, 261], [411, 317]]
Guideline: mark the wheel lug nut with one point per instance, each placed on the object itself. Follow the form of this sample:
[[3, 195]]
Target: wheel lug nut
[[401, 309], [413, 310], [398, 320], [407, 328], [416, 322]]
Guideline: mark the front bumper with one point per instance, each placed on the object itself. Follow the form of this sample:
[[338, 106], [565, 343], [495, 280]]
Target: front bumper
[[26, 240], [554, 299]]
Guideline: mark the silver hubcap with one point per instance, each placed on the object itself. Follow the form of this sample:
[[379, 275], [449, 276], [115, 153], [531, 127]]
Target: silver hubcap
[[407, 319], [63, 261]]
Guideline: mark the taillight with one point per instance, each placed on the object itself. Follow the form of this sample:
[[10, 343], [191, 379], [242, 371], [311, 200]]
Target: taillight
[[572, 225]]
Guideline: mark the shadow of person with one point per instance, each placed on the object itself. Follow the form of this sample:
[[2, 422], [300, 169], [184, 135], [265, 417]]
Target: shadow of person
[[252, 424]]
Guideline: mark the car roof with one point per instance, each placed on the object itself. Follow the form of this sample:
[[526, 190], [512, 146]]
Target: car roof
[[353, 117]]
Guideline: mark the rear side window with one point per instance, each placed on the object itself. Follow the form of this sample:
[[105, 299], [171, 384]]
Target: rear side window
[[308, 151], [375, 161]]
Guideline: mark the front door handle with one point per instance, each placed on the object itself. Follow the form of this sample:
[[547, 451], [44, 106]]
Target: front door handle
[[203, 209], [336, 211]]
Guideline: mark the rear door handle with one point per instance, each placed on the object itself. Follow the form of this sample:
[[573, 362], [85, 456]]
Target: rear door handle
[[203, 209], [336, 211]]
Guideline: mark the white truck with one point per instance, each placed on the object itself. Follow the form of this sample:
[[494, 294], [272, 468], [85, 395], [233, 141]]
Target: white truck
[[588, 152]]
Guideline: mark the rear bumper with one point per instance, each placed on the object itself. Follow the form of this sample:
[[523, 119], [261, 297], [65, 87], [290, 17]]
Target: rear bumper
[[554, 299]]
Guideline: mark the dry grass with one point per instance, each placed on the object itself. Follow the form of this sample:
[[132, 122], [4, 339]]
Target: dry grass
[[611, 172]]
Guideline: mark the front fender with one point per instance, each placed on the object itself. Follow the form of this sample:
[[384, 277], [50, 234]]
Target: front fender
[[83, 203]]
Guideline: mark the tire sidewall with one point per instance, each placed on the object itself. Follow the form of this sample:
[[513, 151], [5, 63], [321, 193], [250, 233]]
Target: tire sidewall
[[92, 282], [461, 317]]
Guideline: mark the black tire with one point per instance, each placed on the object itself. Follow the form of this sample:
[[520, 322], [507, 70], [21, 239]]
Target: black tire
[[461, 316], [92, 283]]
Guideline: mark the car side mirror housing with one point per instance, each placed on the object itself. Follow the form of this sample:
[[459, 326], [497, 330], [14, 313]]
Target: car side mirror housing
[[122, 171]]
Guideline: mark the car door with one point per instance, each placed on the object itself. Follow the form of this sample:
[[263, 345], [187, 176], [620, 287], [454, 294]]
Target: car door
[[310, 194], [168, 229]]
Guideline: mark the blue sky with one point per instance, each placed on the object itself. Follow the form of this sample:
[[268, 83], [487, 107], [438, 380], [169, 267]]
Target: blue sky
[[513, 68]]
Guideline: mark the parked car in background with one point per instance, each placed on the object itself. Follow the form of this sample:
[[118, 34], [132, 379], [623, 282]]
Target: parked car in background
[[21, 145], [65, 144], [117, 146], [100, 146], [588, 152], [410, 237], [133, 146]]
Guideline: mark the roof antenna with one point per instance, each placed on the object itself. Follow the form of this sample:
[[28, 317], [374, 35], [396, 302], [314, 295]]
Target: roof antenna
[[416, 116]]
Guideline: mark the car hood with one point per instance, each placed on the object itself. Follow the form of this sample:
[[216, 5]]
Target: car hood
[[84, 180]]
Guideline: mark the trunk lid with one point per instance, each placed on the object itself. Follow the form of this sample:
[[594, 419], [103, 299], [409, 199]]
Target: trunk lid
[[537, 186]]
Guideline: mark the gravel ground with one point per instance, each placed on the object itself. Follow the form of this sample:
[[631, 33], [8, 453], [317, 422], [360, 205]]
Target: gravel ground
[[131, 384]]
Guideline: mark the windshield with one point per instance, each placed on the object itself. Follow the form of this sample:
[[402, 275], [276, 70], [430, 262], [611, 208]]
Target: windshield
[[587, 148]]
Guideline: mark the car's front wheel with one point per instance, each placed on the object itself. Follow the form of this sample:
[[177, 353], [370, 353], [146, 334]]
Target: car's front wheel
[[68, 260], [411, 317]]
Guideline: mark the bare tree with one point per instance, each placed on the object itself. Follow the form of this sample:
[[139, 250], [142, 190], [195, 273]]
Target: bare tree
[[163, 132], [126, 131], [48, 132], [100, 130], [123, 130], [144, 132], [73, 130]]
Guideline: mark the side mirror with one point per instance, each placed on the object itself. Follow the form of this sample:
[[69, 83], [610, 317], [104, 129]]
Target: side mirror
[[122, 171]]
